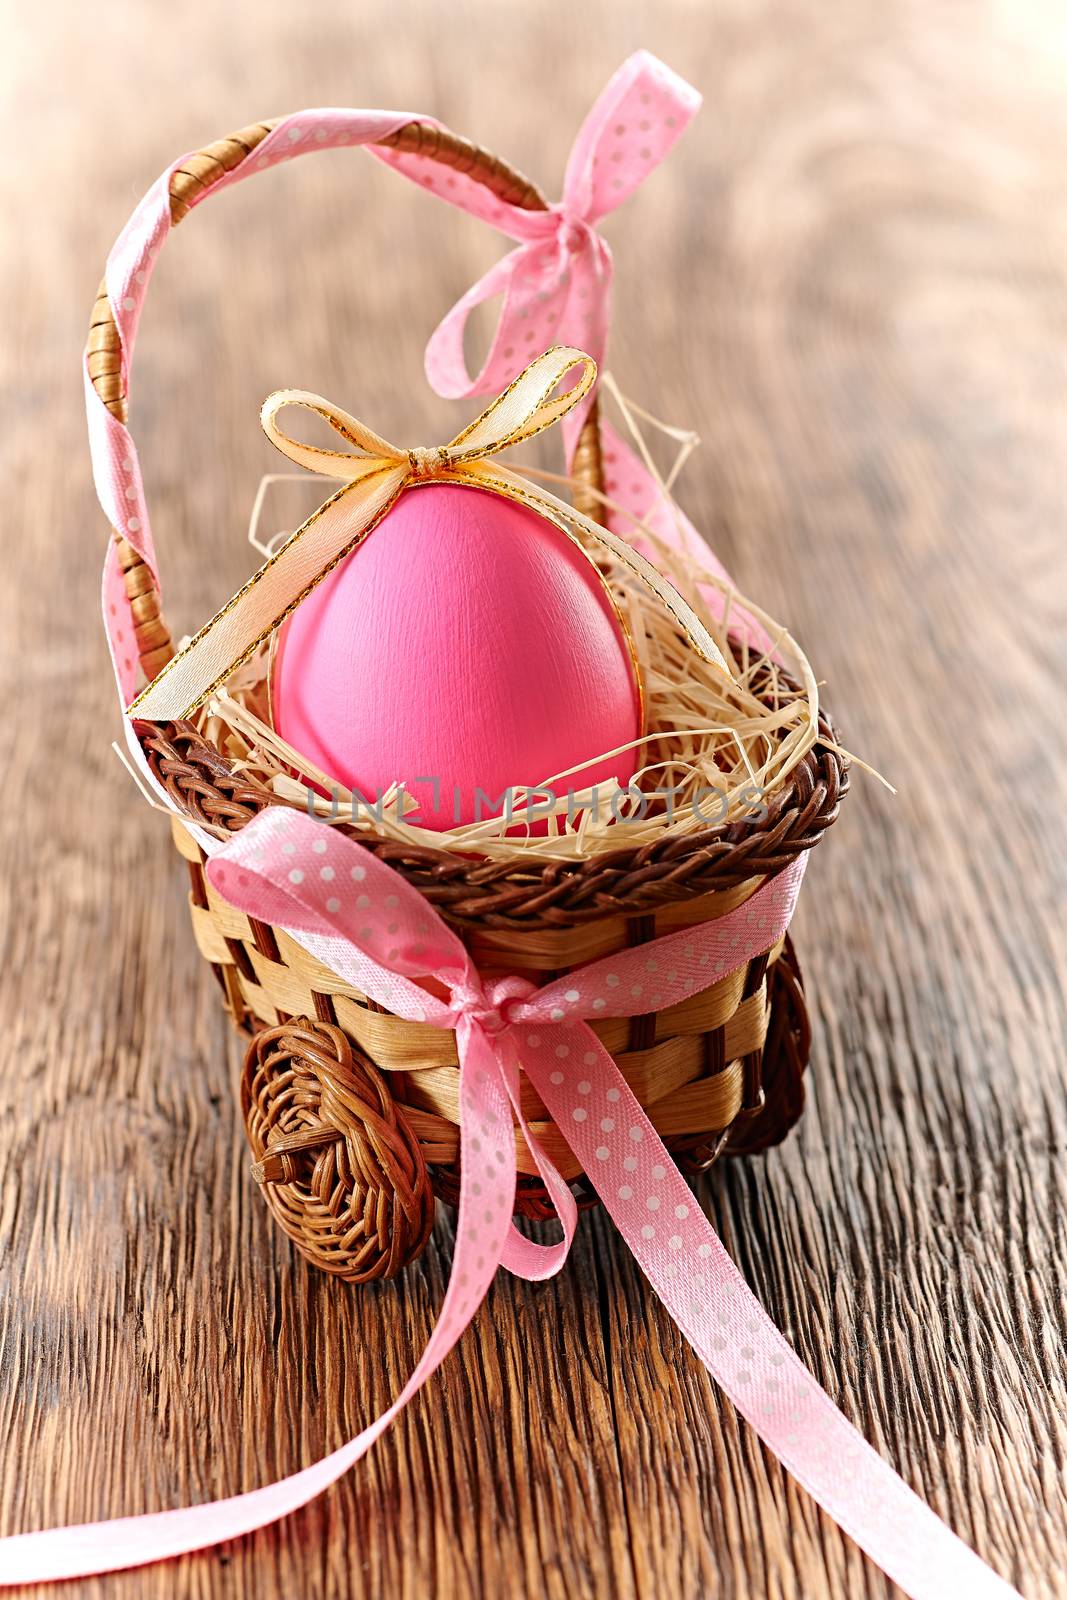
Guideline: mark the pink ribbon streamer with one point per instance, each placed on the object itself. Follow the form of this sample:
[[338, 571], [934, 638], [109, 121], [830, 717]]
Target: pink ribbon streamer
[[308, 879], [290, 871]]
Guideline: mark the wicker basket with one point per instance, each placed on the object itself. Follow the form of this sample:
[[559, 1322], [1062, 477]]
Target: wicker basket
[[352, 1113]]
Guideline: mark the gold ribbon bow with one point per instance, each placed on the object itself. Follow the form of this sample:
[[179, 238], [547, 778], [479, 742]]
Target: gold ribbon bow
[[375, 473]]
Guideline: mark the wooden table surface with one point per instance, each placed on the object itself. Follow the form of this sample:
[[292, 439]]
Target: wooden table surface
[[850, 278]]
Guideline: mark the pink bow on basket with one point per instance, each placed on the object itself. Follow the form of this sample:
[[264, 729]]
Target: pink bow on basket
[[379, 934]]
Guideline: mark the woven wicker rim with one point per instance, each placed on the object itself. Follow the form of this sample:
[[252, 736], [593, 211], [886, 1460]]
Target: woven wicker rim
[[529, 892], [522, 892]]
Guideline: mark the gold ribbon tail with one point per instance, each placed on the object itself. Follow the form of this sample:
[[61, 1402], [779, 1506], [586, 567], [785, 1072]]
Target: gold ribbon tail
[[250, 616]]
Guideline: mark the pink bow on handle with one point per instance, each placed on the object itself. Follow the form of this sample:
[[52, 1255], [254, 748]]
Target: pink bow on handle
[[557, 284]]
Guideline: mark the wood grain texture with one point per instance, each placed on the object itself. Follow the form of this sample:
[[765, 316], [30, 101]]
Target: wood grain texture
[[850, 277]]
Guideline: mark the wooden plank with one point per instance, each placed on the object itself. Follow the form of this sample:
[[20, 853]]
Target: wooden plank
[[850, 278]]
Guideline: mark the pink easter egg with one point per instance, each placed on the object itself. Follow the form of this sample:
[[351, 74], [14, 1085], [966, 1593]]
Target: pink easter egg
[[467, 646]]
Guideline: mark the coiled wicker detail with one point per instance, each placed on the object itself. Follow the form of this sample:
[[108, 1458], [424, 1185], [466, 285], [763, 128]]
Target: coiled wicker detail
[[340, 1167]]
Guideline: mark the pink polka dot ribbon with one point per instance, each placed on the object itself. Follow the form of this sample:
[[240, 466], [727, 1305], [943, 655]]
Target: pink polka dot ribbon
[[381, 935], [556, 285]]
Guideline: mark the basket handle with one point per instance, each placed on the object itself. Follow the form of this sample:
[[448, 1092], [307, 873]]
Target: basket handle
[[188, 183]]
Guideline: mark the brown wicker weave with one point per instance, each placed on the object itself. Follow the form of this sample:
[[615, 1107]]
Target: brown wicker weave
[[341, 1167], [352, 1113]]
